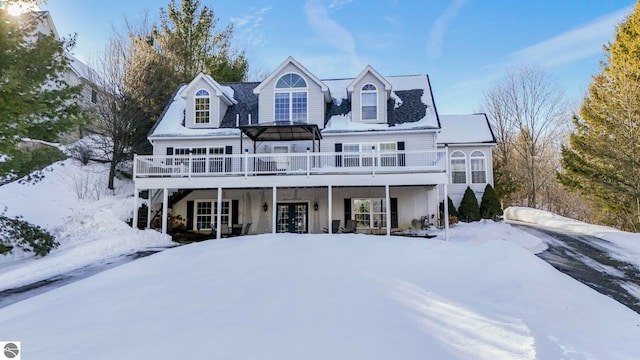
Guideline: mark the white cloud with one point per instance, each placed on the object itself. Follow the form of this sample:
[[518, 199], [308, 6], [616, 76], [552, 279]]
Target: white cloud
[[437, 33], [334, 35], [573, 45], [336, 4], [247, 26]]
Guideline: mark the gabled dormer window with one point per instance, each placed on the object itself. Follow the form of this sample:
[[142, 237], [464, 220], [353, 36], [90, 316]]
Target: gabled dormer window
[[291, 99], [202, 107], [369, 101]]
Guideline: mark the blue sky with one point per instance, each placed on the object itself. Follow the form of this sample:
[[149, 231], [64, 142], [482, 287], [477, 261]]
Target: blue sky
[[465, 46]]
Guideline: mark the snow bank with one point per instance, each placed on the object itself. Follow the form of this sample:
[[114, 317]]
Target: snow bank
[[88, 221]]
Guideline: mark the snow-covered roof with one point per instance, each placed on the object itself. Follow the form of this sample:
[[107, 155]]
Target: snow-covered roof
[[465, 129], [410, 106], [81, 69], [171, 122]]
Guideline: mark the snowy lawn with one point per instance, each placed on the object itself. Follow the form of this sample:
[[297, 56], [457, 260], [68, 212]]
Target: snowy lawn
[[343, 296], [72, 202]]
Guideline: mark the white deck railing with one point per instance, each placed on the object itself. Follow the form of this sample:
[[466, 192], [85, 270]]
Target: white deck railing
[[308, 163]]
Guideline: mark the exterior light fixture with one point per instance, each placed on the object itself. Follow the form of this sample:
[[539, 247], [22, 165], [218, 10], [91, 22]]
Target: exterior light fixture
[[315, 206], [265, 207]]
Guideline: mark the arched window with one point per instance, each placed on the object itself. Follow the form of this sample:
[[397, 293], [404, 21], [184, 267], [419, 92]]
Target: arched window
[[478, 167], [369, 102], [202, 107], [290, 103], [458, 168]]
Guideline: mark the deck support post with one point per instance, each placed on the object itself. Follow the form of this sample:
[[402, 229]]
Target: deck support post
[[388, 208], [329, 208], [149, 197], [165, 209], [446, 195], [134, 220], [219, 214], [274, 209]]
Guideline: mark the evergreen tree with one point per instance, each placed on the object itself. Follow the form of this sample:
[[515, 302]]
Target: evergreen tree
[[490, 207], [187, 36], [469, 209], [452, 208], [602, 161], [34, 100]]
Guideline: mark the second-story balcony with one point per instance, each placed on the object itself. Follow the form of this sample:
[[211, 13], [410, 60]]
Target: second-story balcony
[[216, 165]]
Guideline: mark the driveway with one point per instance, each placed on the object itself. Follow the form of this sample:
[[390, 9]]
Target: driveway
[[584, 258]]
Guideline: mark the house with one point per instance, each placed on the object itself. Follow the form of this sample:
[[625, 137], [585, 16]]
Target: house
[[294, 152]]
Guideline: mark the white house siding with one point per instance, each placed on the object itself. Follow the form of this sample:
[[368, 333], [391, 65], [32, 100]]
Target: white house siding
[[414, 139], [456, 191], [413, 202], [356, 99], [214, 110], [315, 98], [161, 145]]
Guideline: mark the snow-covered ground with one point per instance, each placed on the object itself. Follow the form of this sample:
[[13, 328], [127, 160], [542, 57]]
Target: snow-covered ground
[[88, 221], [483, 295], [621, 245]]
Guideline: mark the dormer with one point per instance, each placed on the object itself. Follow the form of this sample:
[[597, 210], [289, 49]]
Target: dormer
[[206, 102], [292, 94], [369, 93]]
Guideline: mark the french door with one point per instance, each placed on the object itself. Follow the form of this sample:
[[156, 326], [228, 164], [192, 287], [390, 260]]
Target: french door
[[292, 217]]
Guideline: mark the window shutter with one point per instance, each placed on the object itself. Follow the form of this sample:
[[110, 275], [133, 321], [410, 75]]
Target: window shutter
[[401, 157], [338, 148], [190, 206], [227, 162], [234, 212], [394, 212], [347, 210], [169, 153]]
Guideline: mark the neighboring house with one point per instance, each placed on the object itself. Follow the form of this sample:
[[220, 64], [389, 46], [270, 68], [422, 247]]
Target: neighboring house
[[293, 152], [78, 73]]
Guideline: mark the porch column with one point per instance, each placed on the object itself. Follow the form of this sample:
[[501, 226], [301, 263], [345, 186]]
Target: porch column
[[274, 209], [149, 209], [446, 195], [219, 215], [330, 210], [165, 209], [134, 220], [388, 208]]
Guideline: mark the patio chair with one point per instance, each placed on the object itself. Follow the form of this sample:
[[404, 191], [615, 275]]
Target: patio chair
[[350, 227], [335, 227]]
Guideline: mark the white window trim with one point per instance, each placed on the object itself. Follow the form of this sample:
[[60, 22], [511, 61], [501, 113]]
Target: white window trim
[[362, 92], [471, 158], [290, 92], [196, 111], [374, 148], [213, 215], [371, 213], [466, 170]]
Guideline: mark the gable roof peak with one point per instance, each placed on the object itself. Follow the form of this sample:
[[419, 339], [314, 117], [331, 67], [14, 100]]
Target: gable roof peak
[[294, 62], [219, 89], [370, 70]]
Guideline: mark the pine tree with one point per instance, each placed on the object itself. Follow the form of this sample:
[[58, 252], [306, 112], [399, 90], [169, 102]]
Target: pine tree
[[469, 209], [603, 159], [187, 36], [34, 100], [452, 208], [490, 207]]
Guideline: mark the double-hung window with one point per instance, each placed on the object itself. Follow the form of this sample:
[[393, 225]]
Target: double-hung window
[[478, 167], [290, 101], [366, 154], [369, 99], [458, 168], [207, 214], [370, 213], [202, 107]]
